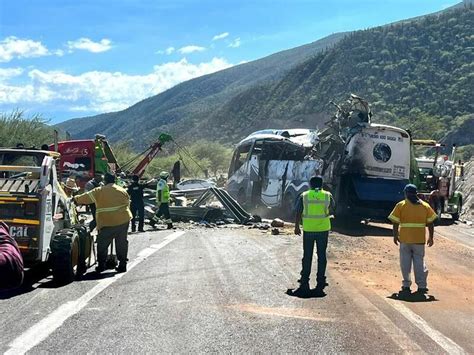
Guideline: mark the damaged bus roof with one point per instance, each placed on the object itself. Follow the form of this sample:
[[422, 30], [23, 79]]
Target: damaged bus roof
[[300, 136]]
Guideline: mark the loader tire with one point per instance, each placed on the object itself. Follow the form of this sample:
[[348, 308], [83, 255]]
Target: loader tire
[[65, 256]]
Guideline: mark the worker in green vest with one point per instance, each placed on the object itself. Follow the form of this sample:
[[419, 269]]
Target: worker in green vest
[[313, 209], [162, 201]]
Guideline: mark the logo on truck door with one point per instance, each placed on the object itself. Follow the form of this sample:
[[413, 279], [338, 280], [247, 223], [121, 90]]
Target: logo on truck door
[[382, 152], [18, 231]]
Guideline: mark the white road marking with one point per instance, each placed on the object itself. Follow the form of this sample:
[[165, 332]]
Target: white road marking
[[45, 327], [442, 340], [398, 336], [460, 242]]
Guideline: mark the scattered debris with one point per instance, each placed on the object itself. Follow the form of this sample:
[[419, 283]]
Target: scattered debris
[[277, 222], [275, 231], [212, 207]]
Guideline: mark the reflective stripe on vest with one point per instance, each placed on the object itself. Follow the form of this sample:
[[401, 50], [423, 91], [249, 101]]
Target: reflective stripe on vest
[[413, 225], [91, 196], [316, 211], [165, 192], [307, 202], [110, 209]]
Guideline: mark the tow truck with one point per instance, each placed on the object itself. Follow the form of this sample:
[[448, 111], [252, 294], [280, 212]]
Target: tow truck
[[438, 179]]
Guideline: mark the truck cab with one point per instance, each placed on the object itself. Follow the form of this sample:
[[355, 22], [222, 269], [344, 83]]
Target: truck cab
[[374, 168]]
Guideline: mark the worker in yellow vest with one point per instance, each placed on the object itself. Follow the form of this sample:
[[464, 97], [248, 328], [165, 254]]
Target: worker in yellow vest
[[113, 216], [410, 219], [162, 201], [313, 209]]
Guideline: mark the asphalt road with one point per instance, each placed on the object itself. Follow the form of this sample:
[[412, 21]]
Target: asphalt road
[[223, 290]]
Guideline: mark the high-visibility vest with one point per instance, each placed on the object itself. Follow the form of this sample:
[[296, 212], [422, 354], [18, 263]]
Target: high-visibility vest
[[316, 211], [112, 205], [165, 192]]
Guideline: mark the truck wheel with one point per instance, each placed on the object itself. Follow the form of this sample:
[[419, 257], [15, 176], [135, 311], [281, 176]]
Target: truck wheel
[[65, 251], [459, 209]]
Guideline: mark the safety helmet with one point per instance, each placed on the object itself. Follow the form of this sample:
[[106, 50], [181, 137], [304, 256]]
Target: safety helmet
[[164, 174]]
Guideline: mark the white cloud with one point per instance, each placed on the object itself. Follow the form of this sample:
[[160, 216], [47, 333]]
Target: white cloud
[[235, 43], [168, 51], [7, 73], [220, 36], [88, 45], [13, 47], [191, 49], [97, 91]]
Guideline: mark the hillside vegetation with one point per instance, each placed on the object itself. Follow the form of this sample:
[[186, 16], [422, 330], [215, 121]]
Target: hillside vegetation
[[418, 75]]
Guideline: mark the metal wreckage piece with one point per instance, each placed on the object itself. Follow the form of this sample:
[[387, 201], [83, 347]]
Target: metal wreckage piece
[[348, 119], [212, 204]]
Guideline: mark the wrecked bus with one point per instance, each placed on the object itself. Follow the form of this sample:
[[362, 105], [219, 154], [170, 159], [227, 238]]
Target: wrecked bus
[[270, 167], [364, 165]]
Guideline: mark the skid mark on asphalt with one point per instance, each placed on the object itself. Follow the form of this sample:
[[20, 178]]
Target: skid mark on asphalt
[[398, 336], [41, 330], [299, 313]]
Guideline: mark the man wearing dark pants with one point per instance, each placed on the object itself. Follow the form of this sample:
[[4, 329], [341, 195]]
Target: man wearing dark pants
[[313, 210], [137, 205], [113, 216], [162, 201]]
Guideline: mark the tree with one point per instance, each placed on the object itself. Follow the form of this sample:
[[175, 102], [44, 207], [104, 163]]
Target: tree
[[16, 128]]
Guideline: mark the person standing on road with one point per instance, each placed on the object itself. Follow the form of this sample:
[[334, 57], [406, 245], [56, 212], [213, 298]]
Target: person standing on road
[[113, 216], [91, 185], [410, 218], [162, 201], [313, 208], [137, 205], [11, 261]]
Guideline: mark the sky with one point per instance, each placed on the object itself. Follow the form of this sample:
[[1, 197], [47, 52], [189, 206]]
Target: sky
[[67, 59]]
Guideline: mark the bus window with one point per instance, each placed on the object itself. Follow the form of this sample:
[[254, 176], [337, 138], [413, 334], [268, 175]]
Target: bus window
[[241, 155]]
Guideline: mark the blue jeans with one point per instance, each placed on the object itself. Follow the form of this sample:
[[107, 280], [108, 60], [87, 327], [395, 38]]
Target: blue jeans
[[321, 239]]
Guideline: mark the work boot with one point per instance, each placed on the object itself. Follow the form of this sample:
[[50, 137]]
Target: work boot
[[404, 292], [422, 291], [133, 229], [303, 291], [320, 286], [141, 230], [122, 267], [170, 226], [100, 268]]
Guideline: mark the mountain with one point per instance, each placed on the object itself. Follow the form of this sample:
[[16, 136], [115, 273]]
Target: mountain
[[417, 74], [192, 101]]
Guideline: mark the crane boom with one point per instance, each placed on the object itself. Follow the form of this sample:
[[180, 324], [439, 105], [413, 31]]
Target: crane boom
[[152, 152]]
